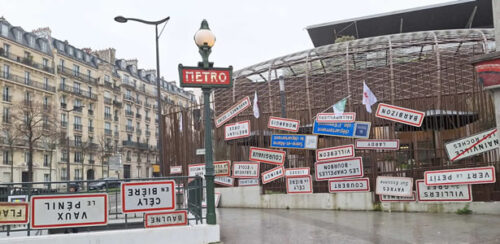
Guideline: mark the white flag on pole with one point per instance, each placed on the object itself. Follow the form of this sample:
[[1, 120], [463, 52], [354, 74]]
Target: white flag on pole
[[256, 111], [368, 98]]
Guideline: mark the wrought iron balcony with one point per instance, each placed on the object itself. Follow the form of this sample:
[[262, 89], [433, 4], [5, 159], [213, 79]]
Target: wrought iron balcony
[[108, 101], [69, 72], [107, 116], [90, 111], [117, 103], [107, 132], [129, 113], [128, 98], [91, 129], [77, 91], [23, 81], [77, 127], [27, 61], [129, 128]]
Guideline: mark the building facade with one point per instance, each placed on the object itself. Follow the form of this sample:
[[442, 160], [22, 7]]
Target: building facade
[[97, 106]]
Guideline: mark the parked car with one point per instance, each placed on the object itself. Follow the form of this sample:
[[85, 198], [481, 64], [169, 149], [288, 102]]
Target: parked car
[[74, 186], [101, 184]]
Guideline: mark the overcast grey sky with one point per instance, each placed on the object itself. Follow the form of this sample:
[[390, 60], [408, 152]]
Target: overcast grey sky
[[247, 32]]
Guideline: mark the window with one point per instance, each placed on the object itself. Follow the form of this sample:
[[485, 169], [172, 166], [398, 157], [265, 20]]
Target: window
[[27, 77], [78, 158], [6, 71], [6, 115], [19, 36], [45, 160], [61, 63], [90, 90], [78, 141], [76, 87], [6, 94], [79, 54], [77, 103], [26, 54], [76, 70], [107, 112], [5, 30], [106, 78], [63, 120], [46, 177], [89, 73], [45, 102], [70, 51], [129, 122], [26, 157], [78, 120], [44, 46], [64, 175], [6, 49], [63, 82], [45, 83], [63, 100], [128, 93], [45, 62], [128, 108], [77, 174], [107, 126], [6, 158], [91, 123], [27, 97], [125, 79]]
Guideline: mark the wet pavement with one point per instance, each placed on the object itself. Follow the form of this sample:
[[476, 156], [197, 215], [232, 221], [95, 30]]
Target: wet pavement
[[326, 226]]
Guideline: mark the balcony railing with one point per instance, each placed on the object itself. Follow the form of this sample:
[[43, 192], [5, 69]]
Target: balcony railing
[[117, 134], [147, 105], [91, 112], [108, 84], [138, 102], [148, 133], [31, 82], [138, 131], [138, 115], [128, 97], [7, 98], [139, 145], [107, 116], [108, 101], [117, 103], [77, 91], [107, 132], [116, 118], [128, 83], [91, 129], [27, 61], [129, 128], [69, 72], [129, 113], [148, 118], [64, 124], [77, 127], [91, 161]]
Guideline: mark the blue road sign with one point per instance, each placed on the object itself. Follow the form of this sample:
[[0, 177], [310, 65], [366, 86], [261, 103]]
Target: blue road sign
[[294, 141], [358, 129]]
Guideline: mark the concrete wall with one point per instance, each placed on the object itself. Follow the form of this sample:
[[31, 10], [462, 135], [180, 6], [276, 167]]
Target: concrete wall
[[178, 234], [250, 197]]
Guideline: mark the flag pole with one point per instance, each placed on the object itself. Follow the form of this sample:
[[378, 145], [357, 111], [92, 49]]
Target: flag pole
[[331, 106]]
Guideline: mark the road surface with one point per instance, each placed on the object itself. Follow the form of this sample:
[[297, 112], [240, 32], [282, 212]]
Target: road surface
[[325, 226]]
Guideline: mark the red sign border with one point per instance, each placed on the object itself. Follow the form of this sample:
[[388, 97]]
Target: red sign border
[[492, 168], [257, 178], [285, 119], [224, 184], [414, 194], [377, 148], [122, 187], [340, 160], [419, 124], [306, 176], [330, 148], [354, 179], [26, 213], [32, 203], [194, 165], [418, 194], [307, 168], [146, 215], [181, 77], [336, 121], [234, 115], [411, 186], [268, 150], [246, 162], [272, 179], [223, 162], [237, 137]]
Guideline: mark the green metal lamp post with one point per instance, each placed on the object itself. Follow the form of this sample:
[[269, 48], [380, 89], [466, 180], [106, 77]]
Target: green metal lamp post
[[205, 40]]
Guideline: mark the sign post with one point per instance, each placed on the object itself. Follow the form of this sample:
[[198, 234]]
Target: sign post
[[205, 76]]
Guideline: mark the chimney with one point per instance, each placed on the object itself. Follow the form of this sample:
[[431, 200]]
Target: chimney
[[107, 54], [131, 62]]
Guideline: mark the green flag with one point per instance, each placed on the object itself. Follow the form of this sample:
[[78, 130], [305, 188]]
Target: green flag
[[339, 107]]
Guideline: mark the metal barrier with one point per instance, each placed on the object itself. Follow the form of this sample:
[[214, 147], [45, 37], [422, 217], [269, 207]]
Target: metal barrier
[[188, 190]]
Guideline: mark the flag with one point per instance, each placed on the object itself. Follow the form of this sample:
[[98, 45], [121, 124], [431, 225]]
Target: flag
[[339, 107], [368, 98], [256, 111]]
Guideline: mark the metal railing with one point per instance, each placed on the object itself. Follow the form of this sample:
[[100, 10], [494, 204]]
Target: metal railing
[[70, 72], [28, 62], [77, 91], [188, 189], [23, 81]]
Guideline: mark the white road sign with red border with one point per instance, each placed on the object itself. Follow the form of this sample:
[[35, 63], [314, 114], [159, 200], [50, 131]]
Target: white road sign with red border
[[479, 175], [349, 185], [446, 193], [472, 145], [299, 184], [387, 198], [147, 196], [164, 219], [175, 170], [400, 114], [237, 130], [278, 123], [335, 118], [394, 186], [227, 115], [248, 182], [75, 210], [246, 170], [268, 156], [332, 153], [342, 168], [224, 180], [297, 172], [377, 144], [273, 174]]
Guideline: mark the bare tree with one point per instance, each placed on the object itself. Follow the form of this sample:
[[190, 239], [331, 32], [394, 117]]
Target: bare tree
[[104, 151], [11, 138], [34, 121], [50, 142], [84, 147]]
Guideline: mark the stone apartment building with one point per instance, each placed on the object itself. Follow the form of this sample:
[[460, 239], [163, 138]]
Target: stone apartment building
[[100, 107]]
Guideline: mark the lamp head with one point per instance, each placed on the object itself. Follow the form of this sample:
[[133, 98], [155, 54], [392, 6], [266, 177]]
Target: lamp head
[[204, 36], [120, 19]]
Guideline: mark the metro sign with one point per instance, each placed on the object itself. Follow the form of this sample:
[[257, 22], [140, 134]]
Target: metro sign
[[208, 78]]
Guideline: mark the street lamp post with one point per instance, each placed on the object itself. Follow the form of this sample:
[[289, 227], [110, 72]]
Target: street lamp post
[[122, 19], [205, 39]]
